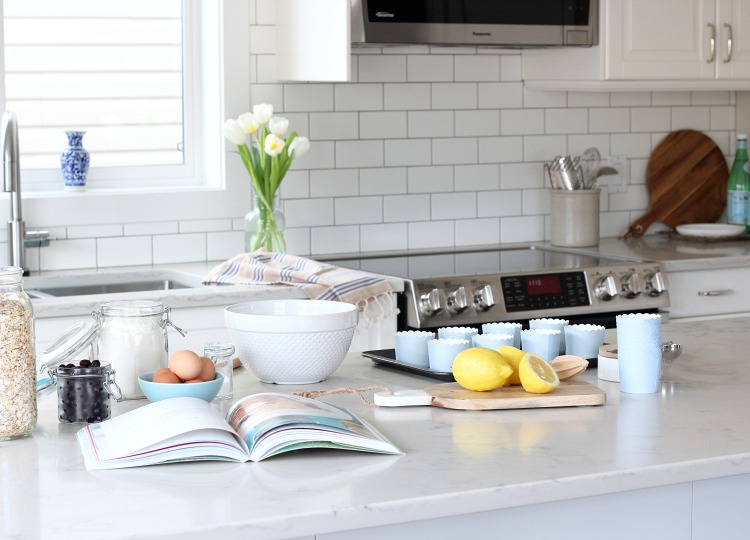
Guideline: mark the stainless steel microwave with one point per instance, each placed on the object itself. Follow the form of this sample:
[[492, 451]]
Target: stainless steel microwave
[[492, 23]]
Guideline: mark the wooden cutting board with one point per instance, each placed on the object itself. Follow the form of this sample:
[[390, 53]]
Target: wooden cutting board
[[686, 179], [570, 393]]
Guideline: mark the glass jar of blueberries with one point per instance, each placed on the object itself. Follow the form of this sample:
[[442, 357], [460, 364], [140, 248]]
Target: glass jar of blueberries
[[84, 386]]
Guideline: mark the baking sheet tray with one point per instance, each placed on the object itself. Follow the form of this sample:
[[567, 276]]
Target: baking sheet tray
[[387, 358]]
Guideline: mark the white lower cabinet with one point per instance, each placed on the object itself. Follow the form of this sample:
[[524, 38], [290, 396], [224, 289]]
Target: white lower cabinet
[[709, 293], [720, 508]]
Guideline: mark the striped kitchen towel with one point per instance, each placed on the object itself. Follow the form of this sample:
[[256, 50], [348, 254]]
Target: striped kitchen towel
[[319, 281]]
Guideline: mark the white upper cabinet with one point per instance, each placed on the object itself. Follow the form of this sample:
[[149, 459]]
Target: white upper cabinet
[[654, 44]]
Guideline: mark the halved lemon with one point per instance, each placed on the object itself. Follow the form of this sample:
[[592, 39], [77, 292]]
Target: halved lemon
[[537, 376], [513, 356]]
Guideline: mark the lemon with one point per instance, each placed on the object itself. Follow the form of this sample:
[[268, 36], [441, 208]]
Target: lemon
[[480, 369], [513, 356], [537, 376]]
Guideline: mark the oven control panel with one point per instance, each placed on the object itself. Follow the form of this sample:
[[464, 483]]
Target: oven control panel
[[506, 297]]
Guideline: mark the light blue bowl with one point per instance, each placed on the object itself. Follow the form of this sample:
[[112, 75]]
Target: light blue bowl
[[155, 391]]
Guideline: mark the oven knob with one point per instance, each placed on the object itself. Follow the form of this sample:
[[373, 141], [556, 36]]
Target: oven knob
[[631, 285], [484, 297], [433, 302], [606, 288], [458, 300], [656, 283]]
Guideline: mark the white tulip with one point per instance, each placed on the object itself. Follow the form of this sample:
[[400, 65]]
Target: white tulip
[[274, 145], [299, 146], [278, 125], [248, 122], [234, 132], [263, 112]]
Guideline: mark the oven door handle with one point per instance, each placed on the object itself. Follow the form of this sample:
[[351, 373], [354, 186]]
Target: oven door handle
[[716, 292]]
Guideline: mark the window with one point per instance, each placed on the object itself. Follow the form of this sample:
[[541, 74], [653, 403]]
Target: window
[[122, 72]]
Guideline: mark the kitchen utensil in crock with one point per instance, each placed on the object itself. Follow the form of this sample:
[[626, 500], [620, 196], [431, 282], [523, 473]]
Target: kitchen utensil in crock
[[590, 161], [686, 180]]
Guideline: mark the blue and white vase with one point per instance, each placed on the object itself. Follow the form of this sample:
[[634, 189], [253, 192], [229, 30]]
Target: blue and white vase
[[75, 162]]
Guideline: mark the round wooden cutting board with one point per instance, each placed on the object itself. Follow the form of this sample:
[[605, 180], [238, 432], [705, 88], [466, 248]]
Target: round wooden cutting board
[[686, 179]]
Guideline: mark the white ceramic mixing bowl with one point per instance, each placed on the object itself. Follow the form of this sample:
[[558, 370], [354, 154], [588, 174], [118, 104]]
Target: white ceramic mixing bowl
[[291, 341]]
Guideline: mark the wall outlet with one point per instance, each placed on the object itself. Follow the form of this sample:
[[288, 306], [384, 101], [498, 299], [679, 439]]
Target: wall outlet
[[617, 183]]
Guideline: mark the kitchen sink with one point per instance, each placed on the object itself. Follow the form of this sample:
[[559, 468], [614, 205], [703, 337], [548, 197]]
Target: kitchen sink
[[108, 283]]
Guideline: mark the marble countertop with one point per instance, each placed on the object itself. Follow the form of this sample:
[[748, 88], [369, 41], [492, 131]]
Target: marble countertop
[[455, 462], [675, 254]]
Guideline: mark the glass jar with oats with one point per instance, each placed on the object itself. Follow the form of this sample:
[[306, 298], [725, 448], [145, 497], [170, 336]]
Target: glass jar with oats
[[17, 359]]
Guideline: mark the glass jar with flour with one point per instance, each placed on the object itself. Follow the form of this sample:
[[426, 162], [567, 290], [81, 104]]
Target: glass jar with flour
[[133, 339]]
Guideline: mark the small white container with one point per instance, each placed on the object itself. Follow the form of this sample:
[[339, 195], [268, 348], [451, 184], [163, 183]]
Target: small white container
[[442, 352], [492, 341]]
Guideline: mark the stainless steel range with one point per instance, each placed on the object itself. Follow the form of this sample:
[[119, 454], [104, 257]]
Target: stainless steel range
[[518, 284]]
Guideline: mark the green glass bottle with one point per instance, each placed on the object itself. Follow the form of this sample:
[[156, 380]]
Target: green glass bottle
[[738, 186]]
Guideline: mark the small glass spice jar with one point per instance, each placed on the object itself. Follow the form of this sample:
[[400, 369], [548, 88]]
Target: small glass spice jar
[[222, 355], [83, 391]]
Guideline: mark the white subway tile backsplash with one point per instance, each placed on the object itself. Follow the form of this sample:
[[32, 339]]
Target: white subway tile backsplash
[[500, 149], [633, 145], [454, 95], [588, 99], [334, 183], [382, 181], [263, 39], [454, 206], [522, 229], [308, 97], [400, 208], [267, 93], [382, 125], [431, 234], [298, 240], [179, 248], [382, 68], [540, 98], [523, 176], [413, 96], [577, 143], [429, 67], [265, 67], [205, 225], [500, 203], [477, 177], [383, 237], [322, 155], [430, 179], [66, 255], [142, 229], [404, 152], [265, 12], [510, 67], [711, 98], [334, 125], [478, 68], [502, 95], [455, 151], [609, 120], [358, 97], [343, 239], [125, 251], [308, 212], [630, 99], [543, 147], [356, 210], [566, 121], [535, 201], [650, 119], [522, 122], [296, 184], [221, 246], [359, 154], [722, 118], [481, 123], [430, 124], [691, 118], [660, 99], [91, 231], [471, 232]]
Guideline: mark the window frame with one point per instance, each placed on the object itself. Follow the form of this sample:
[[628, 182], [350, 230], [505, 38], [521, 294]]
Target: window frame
[[215, 185]]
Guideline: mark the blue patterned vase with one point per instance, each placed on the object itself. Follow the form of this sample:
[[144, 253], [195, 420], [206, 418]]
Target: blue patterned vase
[[75, 162]]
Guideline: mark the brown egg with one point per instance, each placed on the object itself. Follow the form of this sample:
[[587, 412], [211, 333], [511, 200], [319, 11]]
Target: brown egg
[[185, 364], [165, 375], [208, 370], [194, 381]]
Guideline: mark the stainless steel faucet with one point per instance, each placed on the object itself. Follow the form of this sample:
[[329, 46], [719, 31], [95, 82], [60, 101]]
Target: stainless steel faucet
[[12, 185], [17, 235]]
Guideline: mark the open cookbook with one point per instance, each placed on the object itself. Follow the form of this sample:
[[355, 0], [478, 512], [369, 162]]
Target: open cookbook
[[255, 428]]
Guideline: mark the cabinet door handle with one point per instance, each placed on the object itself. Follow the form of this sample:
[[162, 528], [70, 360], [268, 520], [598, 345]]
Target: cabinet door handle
[[712, 44], [729, 42], [715, 292]]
